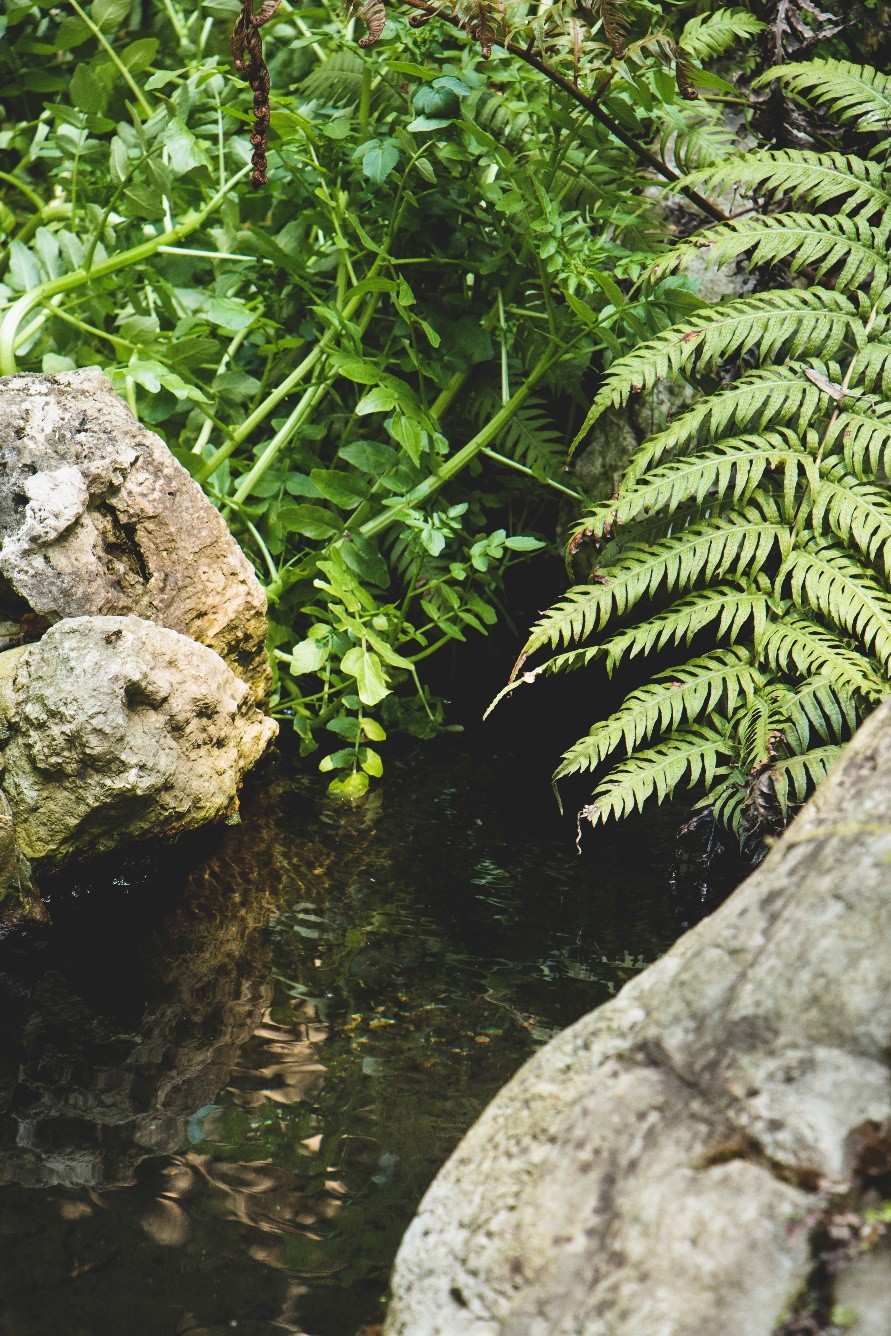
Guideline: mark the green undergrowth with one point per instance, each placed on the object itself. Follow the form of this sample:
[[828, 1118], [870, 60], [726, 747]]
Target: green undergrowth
[[375, 365]]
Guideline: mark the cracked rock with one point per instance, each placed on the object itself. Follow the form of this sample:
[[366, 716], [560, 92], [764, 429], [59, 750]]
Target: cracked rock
[[97, 517], [656, 1169]]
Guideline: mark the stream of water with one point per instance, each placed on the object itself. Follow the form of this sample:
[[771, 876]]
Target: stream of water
[[228, 1073]]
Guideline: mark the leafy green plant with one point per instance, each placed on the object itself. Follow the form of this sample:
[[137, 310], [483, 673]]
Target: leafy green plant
[[374, 363], [764, 504]]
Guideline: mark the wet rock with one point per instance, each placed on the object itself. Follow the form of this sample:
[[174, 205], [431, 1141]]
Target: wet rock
[[659, 1167], [97, 517], [121, 729]]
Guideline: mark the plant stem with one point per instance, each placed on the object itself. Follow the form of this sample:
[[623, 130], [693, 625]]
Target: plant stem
[[452, 466], [40, 295], [144, 105]]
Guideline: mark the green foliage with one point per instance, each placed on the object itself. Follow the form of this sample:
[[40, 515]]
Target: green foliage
[[765, 504], [373, 366]]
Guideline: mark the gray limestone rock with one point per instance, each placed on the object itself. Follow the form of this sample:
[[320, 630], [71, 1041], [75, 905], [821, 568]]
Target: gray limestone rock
[[654, 1170], [97, 517], [119, 729]]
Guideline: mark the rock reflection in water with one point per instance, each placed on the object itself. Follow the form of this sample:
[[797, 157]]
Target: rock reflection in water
[[208, 1123]]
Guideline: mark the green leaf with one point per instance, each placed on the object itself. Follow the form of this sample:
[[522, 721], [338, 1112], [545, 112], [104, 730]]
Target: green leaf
[[344, 489], [87, 92], [366, 667], [109, 14], [378, 400], [308, 656], [379, 157]]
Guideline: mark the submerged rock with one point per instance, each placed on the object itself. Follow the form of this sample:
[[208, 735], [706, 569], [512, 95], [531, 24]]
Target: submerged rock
[[97, 517], [119, 729], [679, 1161]]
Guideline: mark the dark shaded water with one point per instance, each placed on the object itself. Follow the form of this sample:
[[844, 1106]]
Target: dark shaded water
[[227, 1076]]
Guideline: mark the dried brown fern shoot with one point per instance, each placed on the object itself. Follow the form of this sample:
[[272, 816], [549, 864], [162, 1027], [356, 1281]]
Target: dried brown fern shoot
[[247, 53]]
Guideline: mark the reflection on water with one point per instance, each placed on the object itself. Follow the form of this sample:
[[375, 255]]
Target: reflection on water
[[228, 1075]]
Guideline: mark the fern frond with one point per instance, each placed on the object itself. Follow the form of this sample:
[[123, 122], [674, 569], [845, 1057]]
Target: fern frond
[[529, 436], [734, 610], [615, 26], [803, 176], [737, 541], [826, 580], [865, 436], [777, 396], [853, 94], [797, 776], [734, 467], [759, 722], [819, 242], [799, 646], [694, 139], [768, 325], [672, 700], [690, 756], [708, 36], [854, 509], [871, 365], [818, 708]]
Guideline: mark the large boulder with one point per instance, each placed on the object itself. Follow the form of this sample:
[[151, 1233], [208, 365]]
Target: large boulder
[[118, 729], [699, 1154], [97, 517]]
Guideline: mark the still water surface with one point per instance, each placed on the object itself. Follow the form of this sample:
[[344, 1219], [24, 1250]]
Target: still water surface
[[228, 1074]]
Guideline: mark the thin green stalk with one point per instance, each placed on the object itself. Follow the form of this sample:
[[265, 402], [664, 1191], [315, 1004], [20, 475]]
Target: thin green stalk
[[451, 467], [40, 295], [304, 406], [25, 190], [530, 473], [144, 105]]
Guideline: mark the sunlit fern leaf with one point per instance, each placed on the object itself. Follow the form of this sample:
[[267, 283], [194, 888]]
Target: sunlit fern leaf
[[870, 368], [708, 36], [796, 776], [826, 579], [733, 542], [765, 505], [821, 243], [856, 510], [805, 177], [800, 646], [818, 710], [728, 610], [672, 700], [864, 434], [777, 396], [770, 324], [733, 468], [689, 758], [852, 94], [694, 138]]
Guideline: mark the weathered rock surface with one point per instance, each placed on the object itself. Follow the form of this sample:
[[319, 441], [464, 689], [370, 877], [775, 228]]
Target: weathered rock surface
[[656, 1170], [97, 517], [121, 729]]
